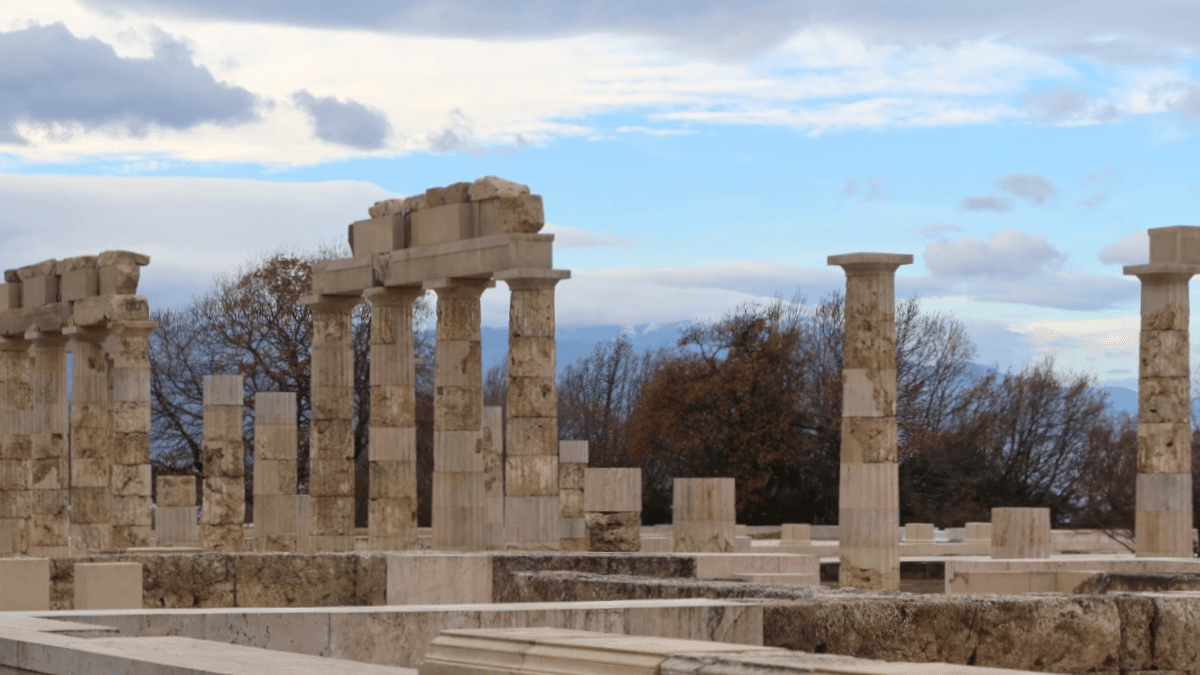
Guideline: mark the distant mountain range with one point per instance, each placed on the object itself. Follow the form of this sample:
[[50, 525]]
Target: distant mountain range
[[575, 343]]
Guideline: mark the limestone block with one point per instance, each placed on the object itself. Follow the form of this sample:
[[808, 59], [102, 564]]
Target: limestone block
[[332, 439], [531, 522], [176, 491], [870, 344], [10, 296], [387, 207], [469, 258], [116, 257], [456, 193], [1164, 447], [439, 578], [330, 477], [868, 393], [24, 584], [1164, 515], [131, 480], [391, 444], [573, 452], [224, 501], [39, 291], [1163, 399], [977, 532], [780, 579], [531, 435], [178, 525], [573, 528], [391, 405], [533, 397], [1163, 353], [491, 187], [704, 499], [91, 505], [571, 476], [1021, 533], [571, 502], [223, 390], [130, 417], [523, 214], [614, 531], [703, 536], [377, 235], [531, 312], [613, 490], [457, 408], [350, 277], [531, 476], [796, 532], [741, 544], [532, 356], [919, 532], [79, 284], [224, 458], [393, 480], [657, 543], [443, 224], [108, 585], [1176, 244], [130, 448], [110, 308], [275, 477], [868, 439], [725, 565], [458, 451]]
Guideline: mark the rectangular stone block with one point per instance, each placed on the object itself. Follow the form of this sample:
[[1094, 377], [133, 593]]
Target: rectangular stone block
[[531, 476], [458, 451], [10, 296], [472, 257], [518, 213], [703, 536], [176, 491], [275, 514], [392, 444], [275, 477], [977, 532], [223, 390], [442, 224], [39, 291], [919, 532], [657, 543], [178, 525], [571, 476], [571, 503], [131, 480], [24, 584], [704, 499], [1021, 533], [613, 490], [573, 452], [530, 435], [79, 284], [439, 578], [1164, 447], [108, 585], [532, 522], [393, 480], [868, 393], [118, 279], [1175, 244], [796, 532], [377, 235], [868, 440], [533, 397]]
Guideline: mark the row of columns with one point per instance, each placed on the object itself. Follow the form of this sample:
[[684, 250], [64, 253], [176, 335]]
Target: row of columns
[[75, 478], [468, 478]]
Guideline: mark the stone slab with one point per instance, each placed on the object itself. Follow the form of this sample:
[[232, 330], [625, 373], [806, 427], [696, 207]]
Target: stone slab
[[24, 584], [108, 585]]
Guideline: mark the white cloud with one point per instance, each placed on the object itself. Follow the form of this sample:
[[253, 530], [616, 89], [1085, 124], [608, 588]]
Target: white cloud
[[572, 237], [1033, 187], [1010, 254], [1132, 249]]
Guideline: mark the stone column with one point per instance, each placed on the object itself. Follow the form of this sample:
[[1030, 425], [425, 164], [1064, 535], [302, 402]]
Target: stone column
[[331, 432], [275, 466], [1021, 533], [493, 478], [612, 504], [92, 464], [49, 536], [703, 514], [869, 490], [1163, 520], [392, 445], [459, 489], [572, 518], [128, 352], [223, 515], [531, 505], [175, 518], [16, 449]]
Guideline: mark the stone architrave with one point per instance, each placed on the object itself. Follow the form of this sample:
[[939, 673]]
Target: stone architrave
[[48, 429], [392, 511], [459, 478], [223, 514], [704, 514], [1163, 519], [92, 465], [531, 505], [572, 468], [275, 471], [868, 494], [175, 518], [331, 432], [612, 503], [128, 352], [16, 449]]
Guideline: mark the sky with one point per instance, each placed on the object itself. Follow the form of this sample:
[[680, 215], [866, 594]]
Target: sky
[[693, 156]]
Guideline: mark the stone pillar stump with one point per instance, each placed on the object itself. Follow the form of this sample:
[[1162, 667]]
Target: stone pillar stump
[[612, 504], [704, 515], [223, 516], [572, 466], [275, 471]]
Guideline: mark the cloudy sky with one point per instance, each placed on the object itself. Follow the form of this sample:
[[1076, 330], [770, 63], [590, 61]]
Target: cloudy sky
[[692, 155]]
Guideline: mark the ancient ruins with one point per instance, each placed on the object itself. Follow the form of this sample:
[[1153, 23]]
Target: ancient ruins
[[536, 562]]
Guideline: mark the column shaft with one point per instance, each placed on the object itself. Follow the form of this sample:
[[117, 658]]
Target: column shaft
[[459, 489], [16, 448], [275, 466], [48, 432], [223, 514], [128, 351], [92, 464], [868, 495], [331, 432], [392, 438]]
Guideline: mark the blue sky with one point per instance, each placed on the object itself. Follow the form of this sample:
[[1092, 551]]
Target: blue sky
[[692, 156]]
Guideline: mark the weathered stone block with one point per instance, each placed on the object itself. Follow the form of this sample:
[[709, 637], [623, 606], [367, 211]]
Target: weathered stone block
[[79, 284], [571, 476], [1021, 533], [533, 397], [10, 296], [614, 531], [492, 187], [1163, 399], [1164, 447], [378, 235], [868, 439], [531, 435], [614, 490], [39, 291], [531, 475], [442, 224], [516, 214]]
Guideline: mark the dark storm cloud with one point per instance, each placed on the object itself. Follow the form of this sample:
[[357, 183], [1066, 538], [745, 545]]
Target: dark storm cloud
[[344, 122], [1112, 31], [48, 76]]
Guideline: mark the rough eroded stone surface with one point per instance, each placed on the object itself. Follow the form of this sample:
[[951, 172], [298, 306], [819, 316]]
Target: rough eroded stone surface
[[614, 531]]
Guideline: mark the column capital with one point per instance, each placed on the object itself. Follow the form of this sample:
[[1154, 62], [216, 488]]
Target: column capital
[[131, 328], [13, 344], [331, 303], [393, 296], [532, 278], [870, 263], [1162, 273], [45, 338], [468, 286], [92, 334]]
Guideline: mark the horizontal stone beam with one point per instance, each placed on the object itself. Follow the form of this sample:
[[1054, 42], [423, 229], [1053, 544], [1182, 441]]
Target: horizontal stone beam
[[95, 311]]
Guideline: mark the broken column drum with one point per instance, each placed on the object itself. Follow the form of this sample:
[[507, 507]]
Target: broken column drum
[[223, 514], [868, 493]]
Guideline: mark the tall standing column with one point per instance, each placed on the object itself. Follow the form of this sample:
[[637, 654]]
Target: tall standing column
[[531, 503], [331, 431], [49, 536], [459, 490], [16, 449], [91, 442], [869, 490], [223, 513], [128, 352], [1163, 520], [392, 438]]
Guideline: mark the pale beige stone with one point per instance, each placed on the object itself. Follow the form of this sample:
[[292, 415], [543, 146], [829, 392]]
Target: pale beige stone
[[387, 207], [573, 452], [103, 309], [39, 291], [704, 499], [24, 584], [79, 284], [10, 296], [119, 279], [531, 476], [613, 490], [108, 585], [868, 393], [41, 269], [439, 578], [1021, 533], [868, 439], [532, 522], [442, 224], [491, 187], [380, 234], [117, 257], [619, 531], [919, 532], [978, 532], [796, 532], [523, 214]]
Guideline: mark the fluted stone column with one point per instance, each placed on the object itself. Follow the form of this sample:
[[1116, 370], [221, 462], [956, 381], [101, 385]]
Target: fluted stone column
[[531, 505], [92, 463], [331, 432], [459, 478], [16, 448], [392, 512], [275, 466], [128, 352], [48, 433], [869, 490], [223, 514], [1163, 520]]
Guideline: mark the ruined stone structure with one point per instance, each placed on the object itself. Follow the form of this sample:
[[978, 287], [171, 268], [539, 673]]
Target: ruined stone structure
[[1163, 521], [456, 241], [612, 505], [94, 457], [175, 516], [275, 471], [223, 513], [572, 466], [704, 514], [869, 491]]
